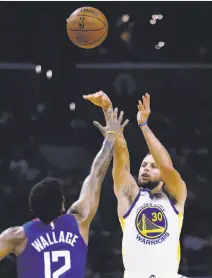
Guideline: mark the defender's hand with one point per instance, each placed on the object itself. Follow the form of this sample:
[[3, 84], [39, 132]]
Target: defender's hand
[[114, 123], [143, 109], [99, 99]]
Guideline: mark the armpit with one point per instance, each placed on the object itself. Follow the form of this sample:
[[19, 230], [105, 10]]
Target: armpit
[[128, 192], [78, 210]]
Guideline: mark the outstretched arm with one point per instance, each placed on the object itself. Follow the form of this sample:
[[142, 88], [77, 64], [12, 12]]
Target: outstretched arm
[[124, 183], [174, 184], [85, 208]]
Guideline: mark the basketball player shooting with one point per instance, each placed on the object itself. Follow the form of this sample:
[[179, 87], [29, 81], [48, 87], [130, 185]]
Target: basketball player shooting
[[150, 212], [55, 244]]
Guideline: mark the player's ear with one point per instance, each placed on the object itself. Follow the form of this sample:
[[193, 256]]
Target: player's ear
[[63, 210]]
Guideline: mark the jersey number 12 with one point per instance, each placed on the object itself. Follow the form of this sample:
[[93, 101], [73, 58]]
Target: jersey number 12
[[55, 256]]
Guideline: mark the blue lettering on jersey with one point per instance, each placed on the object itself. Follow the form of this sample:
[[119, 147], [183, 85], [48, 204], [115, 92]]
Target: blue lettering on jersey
[[152, 242]]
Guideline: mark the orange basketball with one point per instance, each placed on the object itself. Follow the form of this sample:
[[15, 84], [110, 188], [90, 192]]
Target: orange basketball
[[87, 27]]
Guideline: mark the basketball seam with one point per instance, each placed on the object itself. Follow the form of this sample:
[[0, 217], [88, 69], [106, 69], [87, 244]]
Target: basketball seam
[[92, 42], [92, 17], [80, 30]]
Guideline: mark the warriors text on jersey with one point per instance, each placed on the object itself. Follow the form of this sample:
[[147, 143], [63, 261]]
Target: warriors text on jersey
[[55, 250], [151, 231]]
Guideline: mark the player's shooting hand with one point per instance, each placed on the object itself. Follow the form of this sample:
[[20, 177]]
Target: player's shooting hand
[[113, 123], [143, 109], [99, 99]]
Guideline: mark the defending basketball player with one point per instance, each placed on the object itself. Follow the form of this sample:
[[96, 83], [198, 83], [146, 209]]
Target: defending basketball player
[[55, 244], [150, 212]]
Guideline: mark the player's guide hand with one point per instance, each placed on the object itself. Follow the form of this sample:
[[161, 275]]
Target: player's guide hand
[[143, 109]]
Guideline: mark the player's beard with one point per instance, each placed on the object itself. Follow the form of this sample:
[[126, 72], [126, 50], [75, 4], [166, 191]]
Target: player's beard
[[149, 185]]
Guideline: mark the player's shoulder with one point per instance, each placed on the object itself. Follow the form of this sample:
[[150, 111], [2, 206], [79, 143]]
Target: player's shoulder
[[31, 223], [69, 216], [14, 234], [17, 230], [72, 220]]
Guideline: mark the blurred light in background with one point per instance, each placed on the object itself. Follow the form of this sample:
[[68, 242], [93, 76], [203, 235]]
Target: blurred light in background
[[152, 21], [160, 16], [159, 45], [157, 16], [125, 18], [122, 19], [49, 74], [126, 36], [38, 69], [72, 106]]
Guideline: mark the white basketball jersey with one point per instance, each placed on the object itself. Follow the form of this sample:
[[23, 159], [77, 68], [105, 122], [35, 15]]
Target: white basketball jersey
[[151, 231]]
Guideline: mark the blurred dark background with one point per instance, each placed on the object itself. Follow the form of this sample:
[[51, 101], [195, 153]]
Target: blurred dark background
[[46, 127]]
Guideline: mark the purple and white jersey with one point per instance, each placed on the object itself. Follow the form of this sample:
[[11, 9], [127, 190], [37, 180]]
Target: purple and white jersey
[[56, 250]]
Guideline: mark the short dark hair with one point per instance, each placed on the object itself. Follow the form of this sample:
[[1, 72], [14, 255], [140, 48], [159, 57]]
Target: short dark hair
[[149, 153], [45, 199]]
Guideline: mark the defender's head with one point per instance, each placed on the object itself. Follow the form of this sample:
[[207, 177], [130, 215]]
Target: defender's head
[[149, 175], [46, 200]]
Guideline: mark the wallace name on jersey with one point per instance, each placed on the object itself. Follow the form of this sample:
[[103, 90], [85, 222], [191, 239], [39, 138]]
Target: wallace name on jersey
[[151, 224], [51, 238]]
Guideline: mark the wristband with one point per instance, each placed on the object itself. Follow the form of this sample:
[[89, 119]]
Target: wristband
[[111, 132], [142, 124]]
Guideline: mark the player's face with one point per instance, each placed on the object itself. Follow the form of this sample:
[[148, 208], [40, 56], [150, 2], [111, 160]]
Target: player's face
[[149, 174]]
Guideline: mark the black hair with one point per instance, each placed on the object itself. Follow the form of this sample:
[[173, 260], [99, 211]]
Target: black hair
[[149, 153], [45, 199]]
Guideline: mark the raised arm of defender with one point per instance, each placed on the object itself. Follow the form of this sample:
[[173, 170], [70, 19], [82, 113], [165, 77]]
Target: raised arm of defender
[[125, 186], [85, 208]]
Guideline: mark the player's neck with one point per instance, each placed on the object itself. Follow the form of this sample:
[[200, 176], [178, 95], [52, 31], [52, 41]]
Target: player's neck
[[158, 188]]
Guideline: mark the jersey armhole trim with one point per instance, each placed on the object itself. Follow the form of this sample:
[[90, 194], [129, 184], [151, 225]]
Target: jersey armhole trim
[[77, 226], [171, 202], [133, 204], [25, 227]]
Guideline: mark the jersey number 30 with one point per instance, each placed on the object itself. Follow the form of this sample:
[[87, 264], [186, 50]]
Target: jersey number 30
[[55, 256]]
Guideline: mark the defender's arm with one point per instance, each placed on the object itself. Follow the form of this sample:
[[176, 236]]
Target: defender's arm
[[10, 239], [124, 183], [85, 208]]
